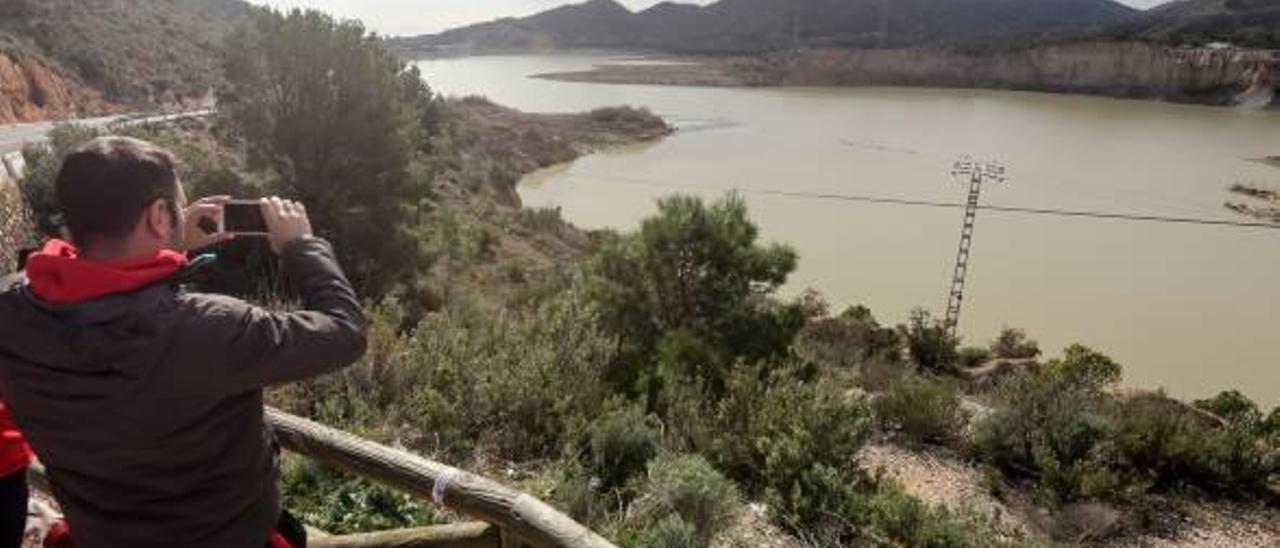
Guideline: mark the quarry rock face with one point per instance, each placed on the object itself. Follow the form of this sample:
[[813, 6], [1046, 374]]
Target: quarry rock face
[[1122, 69], [31, 90]]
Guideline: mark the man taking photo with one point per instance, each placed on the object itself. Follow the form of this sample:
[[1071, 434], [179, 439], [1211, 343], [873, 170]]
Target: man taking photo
[[145, 402]]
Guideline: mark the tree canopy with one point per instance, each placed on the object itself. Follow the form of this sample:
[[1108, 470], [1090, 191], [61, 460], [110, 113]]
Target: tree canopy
[[343, 124]]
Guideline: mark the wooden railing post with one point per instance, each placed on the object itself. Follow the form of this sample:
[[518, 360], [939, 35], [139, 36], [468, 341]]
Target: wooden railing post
[[517, 514]]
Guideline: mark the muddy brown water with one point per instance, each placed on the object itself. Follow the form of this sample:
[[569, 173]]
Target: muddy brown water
[[1193, 309]]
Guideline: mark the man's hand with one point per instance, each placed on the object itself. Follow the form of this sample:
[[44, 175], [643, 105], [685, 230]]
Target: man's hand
[[206, 211], [286, 222]]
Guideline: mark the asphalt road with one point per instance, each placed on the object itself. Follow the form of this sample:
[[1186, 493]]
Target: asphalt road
[[14, 137]]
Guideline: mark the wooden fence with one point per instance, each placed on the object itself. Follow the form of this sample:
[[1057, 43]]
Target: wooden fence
[[506, 518]]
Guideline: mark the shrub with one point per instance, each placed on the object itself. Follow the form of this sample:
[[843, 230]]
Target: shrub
[[922, 409], [522, 384], [930, 344], [580, 496], [839, 511], [340, 504], [808, 451], [907, 521], [544, 220], [670, 532], [845, 341], [1169, 449], [971, 357], [774, 422], [1050, 422], [1235, 408], [1058, 425], [621, 444], [699, 269], [689, 487], [1013, 344], [878, 374]]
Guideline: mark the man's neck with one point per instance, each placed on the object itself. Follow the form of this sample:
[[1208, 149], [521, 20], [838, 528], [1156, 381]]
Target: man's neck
[[105, 251]]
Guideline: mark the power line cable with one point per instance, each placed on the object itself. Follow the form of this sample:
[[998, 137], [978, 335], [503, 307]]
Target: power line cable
[[591, 177]]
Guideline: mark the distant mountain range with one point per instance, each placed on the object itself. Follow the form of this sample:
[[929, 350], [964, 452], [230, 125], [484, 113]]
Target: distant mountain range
[[738, 26], [747, 26], [1253, 23]]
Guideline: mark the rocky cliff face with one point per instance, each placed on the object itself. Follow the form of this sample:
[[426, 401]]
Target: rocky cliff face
[[1126, 69], [32, 90]]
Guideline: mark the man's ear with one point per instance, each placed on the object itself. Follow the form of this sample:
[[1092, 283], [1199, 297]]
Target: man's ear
[[158, 221]]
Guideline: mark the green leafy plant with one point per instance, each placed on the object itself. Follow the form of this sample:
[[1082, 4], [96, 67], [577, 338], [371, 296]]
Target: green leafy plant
[[922, 409], [670, 532], [689, 487], [1013, 344], [620, 446], [931, 345], [341, 504]]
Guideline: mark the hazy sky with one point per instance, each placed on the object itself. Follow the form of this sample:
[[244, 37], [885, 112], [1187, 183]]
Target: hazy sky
[[398, 17]]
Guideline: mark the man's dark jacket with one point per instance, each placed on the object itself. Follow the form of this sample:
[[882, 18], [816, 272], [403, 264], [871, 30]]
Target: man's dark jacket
[[146, 408]]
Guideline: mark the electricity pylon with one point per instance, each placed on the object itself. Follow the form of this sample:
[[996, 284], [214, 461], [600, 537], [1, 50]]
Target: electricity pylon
[[975, 174]]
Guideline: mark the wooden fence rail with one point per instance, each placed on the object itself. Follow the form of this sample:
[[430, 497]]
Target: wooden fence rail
[[511, 519], [520, 517], [458, 535]]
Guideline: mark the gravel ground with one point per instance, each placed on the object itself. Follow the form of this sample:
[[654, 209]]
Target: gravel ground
[[941, 478], [944, 480]]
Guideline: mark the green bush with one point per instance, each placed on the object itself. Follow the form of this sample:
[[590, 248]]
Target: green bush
[[971, 357], [580, 496], [700, 270], [1061, 427], [921, 409], [670, 532], [878, 374], [688, 486], [807, 448], [1173, 448], [1235, 408], [520, 384], [840, 511], [620, 446], [848, 340], [1013, 344], [906, 521], [775, 422], [340, 504], [1050, 423], [930, 344]]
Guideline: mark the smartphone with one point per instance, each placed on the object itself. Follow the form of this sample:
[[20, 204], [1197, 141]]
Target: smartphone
[[243, 217]]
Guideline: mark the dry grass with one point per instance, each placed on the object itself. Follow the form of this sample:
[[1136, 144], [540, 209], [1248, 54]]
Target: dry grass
[[16, 229]]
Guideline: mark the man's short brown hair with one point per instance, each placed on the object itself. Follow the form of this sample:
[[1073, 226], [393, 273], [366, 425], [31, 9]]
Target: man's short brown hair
[[106, 185]]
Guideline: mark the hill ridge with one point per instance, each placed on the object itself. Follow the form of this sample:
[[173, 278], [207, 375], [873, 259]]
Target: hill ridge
[[743, 26]]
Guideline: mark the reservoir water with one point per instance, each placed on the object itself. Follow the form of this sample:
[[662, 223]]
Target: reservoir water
[[1190, 308]]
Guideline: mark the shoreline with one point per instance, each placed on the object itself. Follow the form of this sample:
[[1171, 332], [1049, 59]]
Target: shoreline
[[1234, 78]]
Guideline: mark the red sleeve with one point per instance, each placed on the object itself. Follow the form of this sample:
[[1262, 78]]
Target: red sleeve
[[15, 455]]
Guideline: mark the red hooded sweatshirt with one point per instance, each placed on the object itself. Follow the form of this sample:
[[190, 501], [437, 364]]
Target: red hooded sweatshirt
[[57, 275]]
